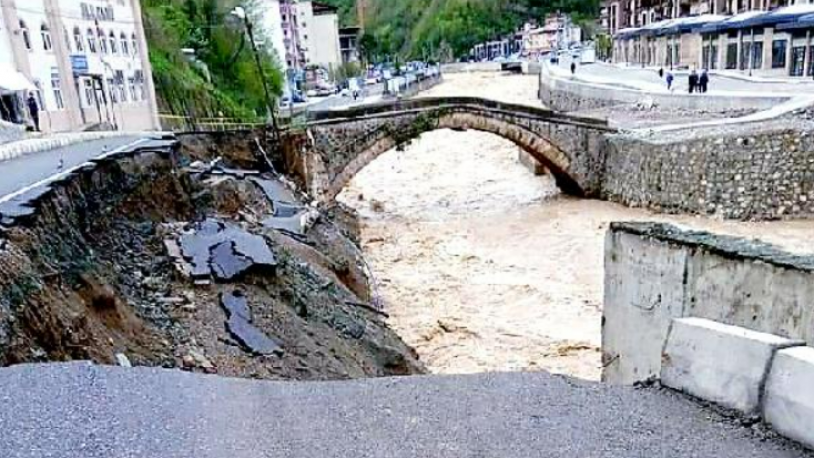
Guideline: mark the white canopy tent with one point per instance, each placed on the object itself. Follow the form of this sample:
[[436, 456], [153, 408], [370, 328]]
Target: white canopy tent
[[13, 81]]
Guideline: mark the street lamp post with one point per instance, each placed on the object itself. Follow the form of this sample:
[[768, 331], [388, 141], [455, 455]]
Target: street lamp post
[[241, 13]]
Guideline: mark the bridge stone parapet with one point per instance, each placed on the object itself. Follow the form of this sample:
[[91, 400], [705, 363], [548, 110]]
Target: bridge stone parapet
[[344, 141]]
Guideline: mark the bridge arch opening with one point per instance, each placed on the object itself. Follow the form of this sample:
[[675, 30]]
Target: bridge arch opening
[[462, 277]]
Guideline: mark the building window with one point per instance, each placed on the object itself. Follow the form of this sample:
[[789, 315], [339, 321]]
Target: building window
[[111, 87], [125, 44], [67, 39], [102, 41], [91, 41], [114, 48], [798, 58], [132, 84], [732, 56], [811, 60], [135, 44], [57, 87], [746, 51], [90, 93], [26, 35], [47, 45], [140, 80], [779, 53], [79, 43], [119, 77], [757, 55]]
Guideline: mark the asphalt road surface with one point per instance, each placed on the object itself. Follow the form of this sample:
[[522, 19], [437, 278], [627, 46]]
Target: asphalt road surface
[[78, 410]]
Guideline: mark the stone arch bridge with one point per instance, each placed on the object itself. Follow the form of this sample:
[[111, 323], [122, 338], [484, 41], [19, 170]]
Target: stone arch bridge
[[342, 142]]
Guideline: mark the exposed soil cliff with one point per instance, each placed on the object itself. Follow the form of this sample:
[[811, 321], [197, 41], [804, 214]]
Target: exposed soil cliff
[[103, 270]]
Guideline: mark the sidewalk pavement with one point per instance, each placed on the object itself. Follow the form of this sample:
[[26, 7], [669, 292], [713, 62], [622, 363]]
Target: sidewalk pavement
[[16, 149]]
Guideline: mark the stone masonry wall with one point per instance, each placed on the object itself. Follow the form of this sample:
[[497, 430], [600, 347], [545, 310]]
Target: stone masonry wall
[[763, 176]]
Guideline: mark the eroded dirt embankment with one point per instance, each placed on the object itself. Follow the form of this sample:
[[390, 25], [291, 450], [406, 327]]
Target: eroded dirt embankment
[[107, 267]]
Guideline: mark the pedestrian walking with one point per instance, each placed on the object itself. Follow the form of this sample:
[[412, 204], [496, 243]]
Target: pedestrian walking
[[661, 72], [34, 111], [670, 78], [693, 81], [703, 81], [573, 67]]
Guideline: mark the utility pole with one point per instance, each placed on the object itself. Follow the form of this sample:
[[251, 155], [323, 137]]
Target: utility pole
[[241, 13]]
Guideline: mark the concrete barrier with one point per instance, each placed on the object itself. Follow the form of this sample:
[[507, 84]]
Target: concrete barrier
[[465, 67], [789, 398], [723, 364]]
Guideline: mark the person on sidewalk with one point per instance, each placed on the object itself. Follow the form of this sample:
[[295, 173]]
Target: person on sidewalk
[[661, 72], [34, 111], [693, 81], [573, 67], [703, 81], [670, 78]]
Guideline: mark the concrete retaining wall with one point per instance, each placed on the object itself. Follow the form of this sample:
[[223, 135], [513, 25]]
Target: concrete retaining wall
[[464, 67], [564, 94], [657, 272]]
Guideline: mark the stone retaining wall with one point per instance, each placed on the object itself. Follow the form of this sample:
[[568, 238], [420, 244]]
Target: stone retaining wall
[[657, 272], [762, 176]]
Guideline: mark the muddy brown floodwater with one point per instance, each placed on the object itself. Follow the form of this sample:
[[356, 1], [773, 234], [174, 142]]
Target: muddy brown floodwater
[[483, 266]]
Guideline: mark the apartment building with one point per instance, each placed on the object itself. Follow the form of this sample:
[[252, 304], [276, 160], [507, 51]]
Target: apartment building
[[85, 61], [324, 47], [532, 41], [756, 37]]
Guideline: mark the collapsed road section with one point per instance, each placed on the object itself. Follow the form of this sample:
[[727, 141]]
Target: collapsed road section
[[164, 254]]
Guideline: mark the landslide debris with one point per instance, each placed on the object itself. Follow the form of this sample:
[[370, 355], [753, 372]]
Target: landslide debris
[[192, 262]]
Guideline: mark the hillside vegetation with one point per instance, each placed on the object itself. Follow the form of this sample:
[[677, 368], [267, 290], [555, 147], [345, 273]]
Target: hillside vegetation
[[443, 29], [226, 81]]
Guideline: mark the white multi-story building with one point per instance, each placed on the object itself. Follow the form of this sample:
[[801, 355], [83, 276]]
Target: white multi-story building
[[86, 59], [302, 33], [324, 35]]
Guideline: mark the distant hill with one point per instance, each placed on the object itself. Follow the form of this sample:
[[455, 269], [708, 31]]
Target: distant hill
[[449, 28]]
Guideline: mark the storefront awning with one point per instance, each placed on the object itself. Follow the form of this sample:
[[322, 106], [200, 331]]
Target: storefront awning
[[690, 24], [779, 16], [731, 23], [13, 81], [671, 26], [803, 22]]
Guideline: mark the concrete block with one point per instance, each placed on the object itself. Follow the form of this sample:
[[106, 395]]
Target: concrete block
[[789, 399], [723, 364]]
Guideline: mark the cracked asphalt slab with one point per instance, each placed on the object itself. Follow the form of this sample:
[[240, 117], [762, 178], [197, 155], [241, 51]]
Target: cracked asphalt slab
[[82, 410]]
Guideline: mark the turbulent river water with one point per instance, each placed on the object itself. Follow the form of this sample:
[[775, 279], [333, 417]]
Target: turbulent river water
[[483, 266]]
